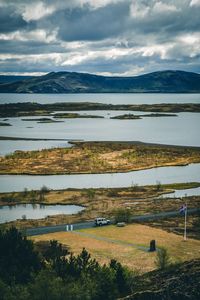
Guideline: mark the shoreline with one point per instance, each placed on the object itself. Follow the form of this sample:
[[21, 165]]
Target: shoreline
[[96, 173], [25, 109], [103, 202], [79, 141], [97, 158]]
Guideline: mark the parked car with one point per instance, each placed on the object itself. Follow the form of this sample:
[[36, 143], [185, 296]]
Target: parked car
[[121, 224], [101, 221]]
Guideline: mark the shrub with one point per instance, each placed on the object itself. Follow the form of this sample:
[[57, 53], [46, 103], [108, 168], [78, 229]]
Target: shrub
[[122, 215], [162, 259]]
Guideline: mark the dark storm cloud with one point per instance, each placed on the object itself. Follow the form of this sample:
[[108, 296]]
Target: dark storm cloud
[[10, 20], [99, 36], [29, 47], [88, 24]]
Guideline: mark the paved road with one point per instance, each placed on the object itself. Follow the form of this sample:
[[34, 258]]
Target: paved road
[[84, 225]]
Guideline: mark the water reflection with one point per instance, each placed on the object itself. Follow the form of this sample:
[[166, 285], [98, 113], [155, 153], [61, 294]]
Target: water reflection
[[35, 211]]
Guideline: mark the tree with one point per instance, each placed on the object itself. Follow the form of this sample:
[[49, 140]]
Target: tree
[[55, 251], [44, 190], [17, 257], [47, 286], [162, 259], [120, 277], [158, 186], [122, 215]]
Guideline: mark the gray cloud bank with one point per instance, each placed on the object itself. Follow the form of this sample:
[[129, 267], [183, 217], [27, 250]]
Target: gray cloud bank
[[111, 37]]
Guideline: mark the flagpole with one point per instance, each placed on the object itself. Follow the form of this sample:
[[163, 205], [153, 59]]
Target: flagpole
[[185, 228]]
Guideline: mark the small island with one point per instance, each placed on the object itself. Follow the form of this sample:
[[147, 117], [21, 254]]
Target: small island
[[37, 109], [43, 120], [138, 117], [75, 116], [5, 124], [127, 117]]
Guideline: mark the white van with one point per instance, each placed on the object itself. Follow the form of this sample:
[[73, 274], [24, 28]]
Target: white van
[[101, 221]]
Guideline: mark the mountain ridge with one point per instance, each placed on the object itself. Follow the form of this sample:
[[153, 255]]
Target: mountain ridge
[[167, 81]]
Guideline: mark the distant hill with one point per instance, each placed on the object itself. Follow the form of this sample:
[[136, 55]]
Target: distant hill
[[12, 78], [71, 82]]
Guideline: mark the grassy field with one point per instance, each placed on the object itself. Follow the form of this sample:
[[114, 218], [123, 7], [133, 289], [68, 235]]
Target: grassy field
[[132, 257], [176, 225], [97, 157]]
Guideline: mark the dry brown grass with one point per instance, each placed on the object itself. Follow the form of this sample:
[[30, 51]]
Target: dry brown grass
[[143, 261], [139, 201], [97, 157]]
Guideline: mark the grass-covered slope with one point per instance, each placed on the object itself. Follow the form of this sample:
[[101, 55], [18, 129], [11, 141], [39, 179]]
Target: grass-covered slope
[[177, 283]]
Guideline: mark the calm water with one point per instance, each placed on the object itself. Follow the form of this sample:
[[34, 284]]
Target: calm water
[[190, 173], [103, 98], [11, 146], [35, 211], [180, 130], [183, 193]]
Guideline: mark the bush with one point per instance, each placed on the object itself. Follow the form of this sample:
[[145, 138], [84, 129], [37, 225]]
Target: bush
[[122, 215]]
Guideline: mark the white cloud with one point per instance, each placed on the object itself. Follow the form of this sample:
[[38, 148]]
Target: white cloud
[[35, 35], [138, 9], [158, 50], [135, 70], [36, 11], [23, 73], [161, 7], [195, 3], [190, 45]]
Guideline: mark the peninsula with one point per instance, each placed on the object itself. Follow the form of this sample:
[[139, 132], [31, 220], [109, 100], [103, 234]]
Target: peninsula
[[98, 157]]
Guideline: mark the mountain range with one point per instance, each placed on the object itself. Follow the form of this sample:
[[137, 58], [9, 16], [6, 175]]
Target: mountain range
[[72, 82]]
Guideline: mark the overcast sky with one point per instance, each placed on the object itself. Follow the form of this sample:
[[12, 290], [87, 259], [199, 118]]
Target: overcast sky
[[108, 37]]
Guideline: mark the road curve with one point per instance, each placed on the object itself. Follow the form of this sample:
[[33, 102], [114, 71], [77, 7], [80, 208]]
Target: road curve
[[90, 224]]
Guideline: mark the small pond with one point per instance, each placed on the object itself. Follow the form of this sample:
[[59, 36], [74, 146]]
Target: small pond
[[35, 211]]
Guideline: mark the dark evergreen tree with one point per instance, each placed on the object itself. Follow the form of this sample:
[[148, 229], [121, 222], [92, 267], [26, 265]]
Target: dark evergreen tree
[[17, 257]]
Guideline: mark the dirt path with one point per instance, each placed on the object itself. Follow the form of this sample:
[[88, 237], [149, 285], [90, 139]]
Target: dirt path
[[105, 239]]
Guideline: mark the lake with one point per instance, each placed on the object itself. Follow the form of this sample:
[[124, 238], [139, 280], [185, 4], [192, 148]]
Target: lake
[[118, 98], [35, 211], [181, 130], [190, 173]]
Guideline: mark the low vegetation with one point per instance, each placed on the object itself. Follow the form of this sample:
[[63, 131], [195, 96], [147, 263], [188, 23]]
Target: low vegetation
[[98, 157], [42, 120], [74, 116], [137, 117], [120, 203], [37, 109], [176, 225], [178, 282]]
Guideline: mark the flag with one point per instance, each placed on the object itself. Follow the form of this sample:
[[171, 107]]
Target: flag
[[183, 209]]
